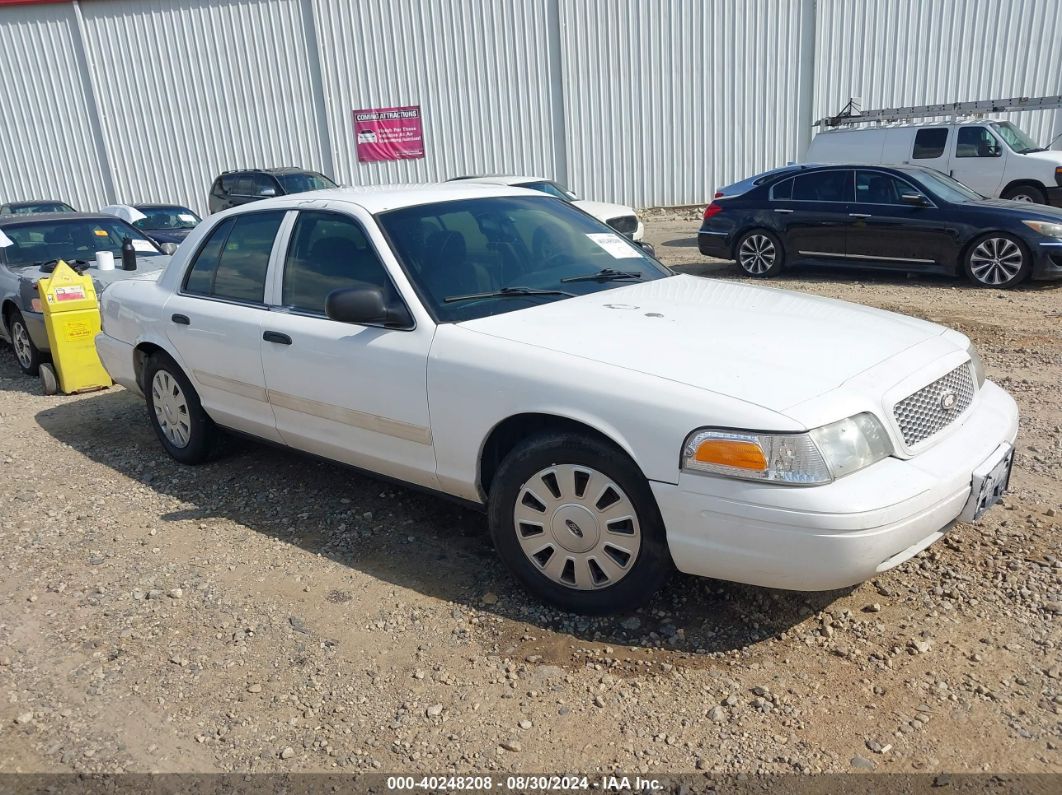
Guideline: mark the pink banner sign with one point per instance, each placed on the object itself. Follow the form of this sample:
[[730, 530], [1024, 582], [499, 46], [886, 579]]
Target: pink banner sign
[[389, 134]]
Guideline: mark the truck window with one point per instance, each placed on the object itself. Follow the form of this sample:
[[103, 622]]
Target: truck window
[[929, 143]]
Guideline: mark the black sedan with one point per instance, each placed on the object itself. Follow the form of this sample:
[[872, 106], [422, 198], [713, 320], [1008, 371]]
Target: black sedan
[[896, 218], [166, 223]]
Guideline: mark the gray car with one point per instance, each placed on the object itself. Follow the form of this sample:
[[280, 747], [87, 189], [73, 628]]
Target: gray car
[[30, 247]]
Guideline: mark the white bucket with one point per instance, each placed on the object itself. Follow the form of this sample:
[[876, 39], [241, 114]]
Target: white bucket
[[105, 260]]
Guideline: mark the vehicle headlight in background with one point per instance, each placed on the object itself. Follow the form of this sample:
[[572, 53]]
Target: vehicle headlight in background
[[1045, 228], [977, 365], [797, 459]]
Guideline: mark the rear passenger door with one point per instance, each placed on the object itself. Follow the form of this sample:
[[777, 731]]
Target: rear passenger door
[[353, 393], [214, 321], [813, 212]]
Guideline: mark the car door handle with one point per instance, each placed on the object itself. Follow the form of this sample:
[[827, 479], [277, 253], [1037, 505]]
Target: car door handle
[[859, 215], [277, 337], [780, 210], [181, 320]]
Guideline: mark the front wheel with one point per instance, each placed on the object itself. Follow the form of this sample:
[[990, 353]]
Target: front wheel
[[27, 354], [176, 414], [759, 253], [575, 520], [998, 260], [1025, 193]]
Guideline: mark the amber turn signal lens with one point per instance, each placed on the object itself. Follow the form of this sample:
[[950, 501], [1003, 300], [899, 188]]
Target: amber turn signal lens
[[731, 453]]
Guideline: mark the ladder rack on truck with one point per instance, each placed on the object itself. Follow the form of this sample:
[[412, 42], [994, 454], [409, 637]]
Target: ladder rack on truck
[[851, 114]]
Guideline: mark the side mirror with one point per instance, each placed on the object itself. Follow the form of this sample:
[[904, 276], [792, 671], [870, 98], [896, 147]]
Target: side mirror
[[572, 194], [648, 248], [914, 199], [365, 306], [267, 193], [169, 248]]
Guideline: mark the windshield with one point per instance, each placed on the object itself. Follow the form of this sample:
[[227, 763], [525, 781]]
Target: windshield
[[468, 247], [1016, 138], [41, 207], [175, 217], [304, 181], [550, 188], [76, 239], [948, 189]]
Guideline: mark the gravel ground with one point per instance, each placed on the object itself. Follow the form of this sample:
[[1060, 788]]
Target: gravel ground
[[268, 612]]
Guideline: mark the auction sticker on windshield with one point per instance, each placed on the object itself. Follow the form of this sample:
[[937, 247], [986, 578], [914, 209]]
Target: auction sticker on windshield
[[614, 245]]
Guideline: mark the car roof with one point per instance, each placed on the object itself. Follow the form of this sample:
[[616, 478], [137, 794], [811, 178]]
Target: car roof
[[501, 179], [156, 205], [40, 218], [278, 170], [30, 202], [380, 198]]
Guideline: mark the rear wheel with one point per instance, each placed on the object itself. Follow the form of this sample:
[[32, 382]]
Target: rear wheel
[[997, 260], [1025, 193], [28, 356], [176, 414], [574, 519], [759, 253]]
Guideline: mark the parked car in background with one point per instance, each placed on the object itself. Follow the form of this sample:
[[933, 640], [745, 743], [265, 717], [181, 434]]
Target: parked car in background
[[611, 417], [994, 158], [623, 219], [30, 247], [163, 223], [903, 219], [234, 188], [35, 206]]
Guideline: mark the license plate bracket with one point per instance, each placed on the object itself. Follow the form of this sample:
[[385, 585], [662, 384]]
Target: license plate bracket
[[989, 483]]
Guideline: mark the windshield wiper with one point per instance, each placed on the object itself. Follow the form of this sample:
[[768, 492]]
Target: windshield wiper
[[506, 292], [603, 275]]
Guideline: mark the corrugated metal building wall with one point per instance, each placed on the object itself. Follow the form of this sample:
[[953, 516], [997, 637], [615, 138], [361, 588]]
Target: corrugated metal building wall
[[647, 103]]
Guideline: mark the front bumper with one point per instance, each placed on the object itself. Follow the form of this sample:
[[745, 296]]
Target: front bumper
[[1054, 196], [1047, 259], [833, 536]]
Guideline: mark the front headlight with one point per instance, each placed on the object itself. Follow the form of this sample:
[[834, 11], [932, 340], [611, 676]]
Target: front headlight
[[977, 365], [796, 459], [1045, 228]]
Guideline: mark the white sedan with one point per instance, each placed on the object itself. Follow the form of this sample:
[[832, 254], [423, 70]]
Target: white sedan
[[620, 217], [613, 419]]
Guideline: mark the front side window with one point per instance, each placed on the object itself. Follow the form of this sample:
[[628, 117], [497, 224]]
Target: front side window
[[471, 258], [74, 240], [304, 181], [976, 142], [929, 143], [329, 252], [233, 262], [875, 187], [823, 186], [263, 185]]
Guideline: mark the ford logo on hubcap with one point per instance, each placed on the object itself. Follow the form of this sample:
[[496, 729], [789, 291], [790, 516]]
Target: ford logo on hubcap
[[948, 399], [576, 530]]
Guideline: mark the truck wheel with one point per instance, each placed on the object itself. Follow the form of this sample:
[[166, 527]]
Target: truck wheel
[[997, 260], [176, 414], [759, 253], [1025, 193], [575, 520], [28, 356]]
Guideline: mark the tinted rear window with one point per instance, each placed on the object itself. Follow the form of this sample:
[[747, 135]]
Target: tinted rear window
[[929, 143], [232, 264]]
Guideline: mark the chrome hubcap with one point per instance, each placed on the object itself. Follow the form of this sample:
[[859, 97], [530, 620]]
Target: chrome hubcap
[[1023, 197], [21, 342], [577, 527], [996, 260], [756, 254], [171, 409]]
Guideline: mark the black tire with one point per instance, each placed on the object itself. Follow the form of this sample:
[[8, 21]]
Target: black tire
[[28, 357], [997, 260], [203, 436], [1026, 193], [759, 253], [636, 579]]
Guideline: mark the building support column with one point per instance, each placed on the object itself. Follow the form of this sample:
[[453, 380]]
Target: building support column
[[556, 92], [806, 78], [88, 85], [320, 104]]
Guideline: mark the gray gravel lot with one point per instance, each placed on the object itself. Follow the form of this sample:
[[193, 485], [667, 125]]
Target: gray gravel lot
[[271, 612]]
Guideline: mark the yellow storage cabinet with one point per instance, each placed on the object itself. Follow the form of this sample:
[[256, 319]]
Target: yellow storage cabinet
[[72, 319]]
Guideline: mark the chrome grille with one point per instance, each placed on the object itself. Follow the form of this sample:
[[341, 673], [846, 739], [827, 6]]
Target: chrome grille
[[923, 413], [624, 224]]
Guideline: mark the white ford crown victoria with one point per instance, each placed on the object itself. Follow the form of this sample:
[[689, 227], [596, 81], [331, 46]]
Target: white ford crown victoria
[[613, 418]]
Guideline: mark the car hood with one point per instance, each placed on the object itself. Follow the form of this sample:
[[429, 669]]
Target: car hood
[[167, 235], [1033, 212], [765, 346], [603, 210]]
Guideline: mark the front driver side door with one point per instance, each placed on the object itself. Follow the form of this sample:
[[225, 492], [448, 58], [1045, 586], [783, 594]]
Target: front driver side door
[[352, 393]]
